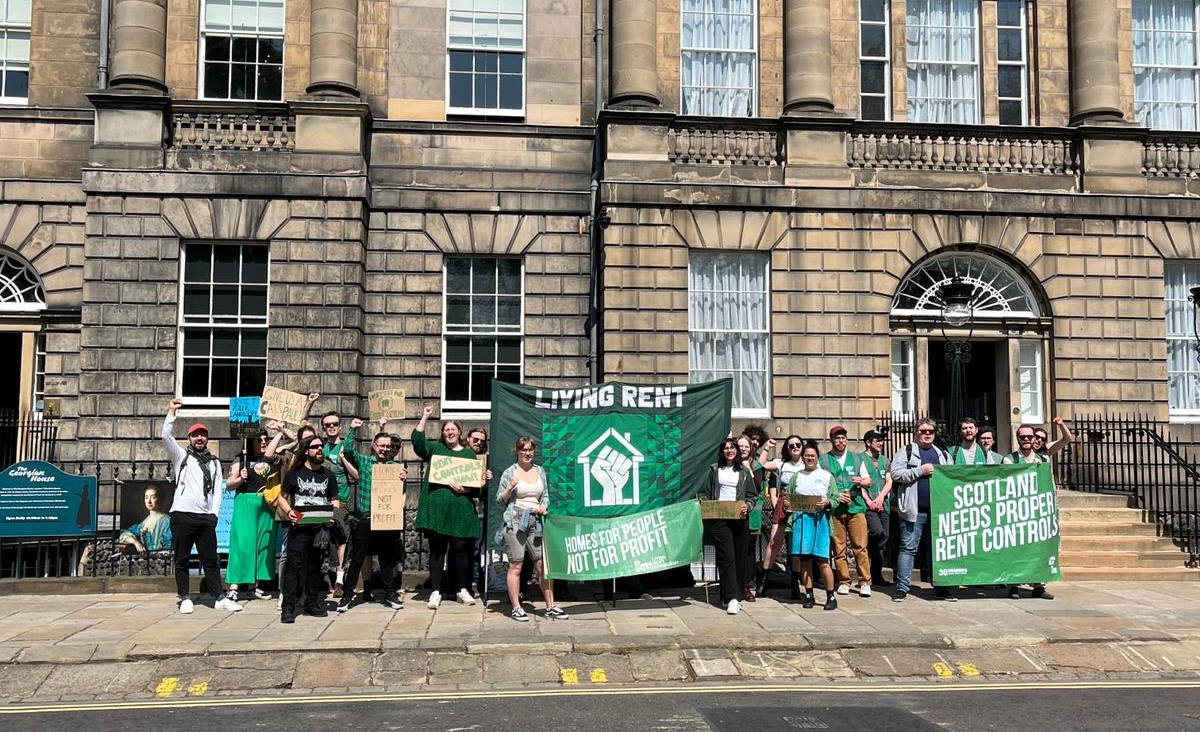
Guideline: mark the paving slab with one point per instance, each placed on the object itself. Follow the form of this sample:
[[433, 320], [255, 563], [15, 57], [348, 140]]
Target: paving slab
[[657, 665], [455, 668], [333, 669], [400, 668], [520, 669], [1086, 657], [98, 678], [600, 668], [791, 664]]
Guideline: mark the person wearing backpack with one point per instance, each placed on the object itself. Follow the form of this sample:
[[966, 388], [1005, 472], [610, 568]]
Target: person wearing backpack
[[1028, 454], [969, 451], [849, 512], [911, 468]]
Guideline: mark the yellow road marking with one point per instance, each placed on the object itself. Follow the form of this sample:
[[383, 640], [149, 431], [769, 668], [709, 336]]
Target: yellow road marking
[[943, 670], [569, 675], [598, 676], [968, 669], [168, 686], [198, 686]]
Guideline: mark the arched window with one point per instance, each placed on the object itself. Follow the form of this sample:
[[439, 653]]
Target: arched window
[[21, 288], [999, 290]]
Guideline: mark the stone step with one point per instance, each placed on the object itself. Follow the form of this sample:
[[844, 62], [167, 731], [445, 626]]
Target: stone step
[[1101, 514], [1106, 528], [1129, 574], [1076, 499], [1076, 559], [1071, 542]]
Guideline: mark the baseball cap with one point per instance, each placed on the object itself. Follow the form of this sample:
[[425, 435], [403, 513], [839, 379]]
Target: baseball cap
[[874, 435], [196, 428], [839, 430]]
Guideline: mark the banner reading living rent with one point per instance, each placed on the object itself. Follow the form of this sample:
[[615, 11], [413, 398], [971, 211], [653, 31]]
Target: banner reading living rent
[[579, 548], [993, 524], [613, 449]]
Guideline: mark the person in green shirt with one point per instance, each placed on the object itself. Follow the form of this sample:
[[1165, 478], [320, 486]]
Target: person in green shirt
[[849, 512], [878, 503], [446, 513]]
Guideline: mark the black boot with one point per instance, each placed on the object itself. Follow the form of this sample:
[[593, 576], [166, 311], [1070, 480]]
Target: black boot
[[760, 581], [795, 587]]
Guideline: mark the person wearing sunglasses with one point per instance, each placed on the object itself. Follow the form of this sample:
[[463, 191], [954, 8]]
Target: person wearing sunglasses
[[879, 509], [252, 528], [911, 468], [334, 448], [789, 465], [1027, 453]]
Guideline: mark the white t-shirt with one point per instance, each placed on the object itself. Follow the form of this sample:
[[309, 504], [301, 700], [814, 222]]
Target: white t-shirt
[[786, 471], [813, 482], [727, 478]]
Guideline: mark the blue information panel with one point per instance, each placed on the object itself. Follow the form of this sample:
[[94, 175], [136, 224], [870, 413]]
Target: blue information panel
[[39, 500]]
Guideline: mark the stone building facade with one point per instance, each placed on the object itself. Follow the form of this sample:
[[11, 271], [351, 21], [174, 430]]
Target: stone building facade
[[345, 195]]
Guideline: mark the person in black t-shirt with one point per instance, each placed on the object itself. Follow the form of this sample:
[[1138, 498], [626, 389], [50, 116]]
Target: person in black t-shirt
[[310, 485]]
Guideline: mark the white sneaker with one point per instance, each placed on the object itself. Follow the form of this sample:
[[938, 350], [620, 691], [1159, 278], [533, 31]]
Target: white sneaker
[[435, 599], [226, 604], [843, 589], [186, 607], [734, 607], [464, 596], [258, 595], [864, 590]]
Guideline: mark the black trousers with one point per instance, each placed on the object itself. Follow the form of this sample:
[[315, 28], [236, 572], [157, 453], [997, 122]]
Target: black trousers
[[455, 552], [198, 530], [877, 541], [731, 538], [388, 546], [302, 568]]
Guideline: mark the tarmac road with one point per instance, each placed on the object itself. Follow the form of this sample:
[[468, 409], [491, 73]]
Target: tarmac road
[[842, 707]]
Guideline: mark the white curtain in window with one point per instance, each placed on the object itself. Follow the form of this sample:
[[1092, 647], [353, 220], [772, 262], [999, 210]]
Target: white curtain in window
[[727, 323], [902, 376], [717, 75], [943, 63], [1183, 376], [1029, 381], [1165, 64]]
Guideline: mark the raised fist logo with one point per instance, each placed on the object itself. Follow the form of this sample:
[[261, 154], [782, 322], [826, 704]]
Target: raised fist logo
[[611, 470]]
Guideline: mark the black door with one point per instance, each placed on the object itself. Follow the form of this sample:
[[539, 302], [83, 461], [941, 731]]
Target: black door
[[972, 364]]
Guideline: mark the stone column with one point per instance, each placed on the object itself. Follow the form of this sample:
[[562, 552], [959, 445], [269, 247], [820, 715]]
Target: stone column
[[139, 46], [807, 57], [333, 61], [634, 53], [1095, 92]]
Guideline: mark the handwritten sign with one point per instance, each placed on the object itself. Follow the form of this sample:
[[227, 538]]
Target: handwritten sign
[[464, 471], [243, 416], [804, 504], [286, 406], [721, 509], [387, 497], [386, 404]]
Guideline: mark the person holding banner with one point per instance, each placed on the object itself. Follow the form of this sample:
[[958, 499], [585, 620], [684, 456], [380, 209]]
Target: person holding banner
[[987, 438], [969, 451], [1040, 438], [524, 492], [730, 479], [252, 530], [911, 468], [810, 525], [1027, 453], [446, 513]]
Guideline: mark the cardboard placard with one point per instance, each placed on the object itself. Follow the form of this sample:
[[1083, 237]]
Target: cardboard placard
[[445, 469], [721, 509], [804, 504], [387, 497], [286, 406], [385, 404]]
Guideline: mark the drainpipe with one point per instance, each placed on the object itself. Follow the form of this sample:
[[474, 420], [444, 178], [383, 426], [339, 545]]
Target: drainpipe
[[597, 219], [102, 71]]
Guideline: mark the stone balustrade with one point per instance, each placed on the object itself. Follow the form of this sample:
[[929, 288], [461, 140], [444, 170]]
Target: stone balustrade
[[225, 127], [1171, 155], [970, 149], [705, 144]]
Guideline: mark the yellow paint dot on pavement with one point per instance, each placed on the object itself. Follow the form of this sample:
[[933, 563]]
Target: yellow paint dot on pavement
[[569, 675], [968, 669], [168, 686], [199, 686], [943, 670], [598, 676]]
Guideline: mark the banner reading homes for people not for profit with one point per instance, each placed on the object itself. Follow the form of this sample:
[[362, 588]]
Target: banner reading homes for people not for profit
[[612, 449], [579, 548], [993, 524]]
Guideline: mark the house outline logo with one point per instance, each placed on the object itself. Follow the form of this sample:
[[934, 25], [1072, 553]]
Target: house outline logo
[[612, 468]]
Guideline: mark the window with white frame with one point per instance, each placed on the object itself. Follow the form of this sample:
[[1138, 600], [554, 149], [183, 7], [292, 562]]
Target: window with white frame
[[719, 58], [482, 329], [223, 321], [942, 39], [1166, 65], [39, 372], [1011, 54], [486, 57], [903, 394], [874, 59], [728, 328], [15, 18], [1183, 374], [1030, 380], [241, 47]]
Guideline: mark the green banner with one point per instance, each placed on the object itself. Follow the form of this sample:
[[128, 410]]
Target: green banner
[[612, 449], [580, 548], [993, 524]]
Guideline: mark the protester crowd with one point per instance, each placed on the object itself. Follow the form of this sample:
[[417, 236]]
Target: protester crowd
[[816, 509]]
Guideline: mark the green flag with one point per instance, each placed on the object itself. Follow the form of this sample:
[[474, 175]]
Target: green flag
[[577, 548], [993, 524], [612, 449]]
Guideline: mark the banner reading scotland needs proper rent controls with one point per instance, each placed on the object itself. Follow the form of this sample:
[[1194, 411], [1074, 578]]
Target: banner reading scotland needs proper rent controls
[[612, 449], [580, 548], [993, 524]]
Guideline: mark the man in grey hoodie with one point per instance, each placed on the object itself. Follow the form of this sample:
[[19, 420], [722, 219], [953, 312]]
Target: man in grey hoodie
[[911, 468]]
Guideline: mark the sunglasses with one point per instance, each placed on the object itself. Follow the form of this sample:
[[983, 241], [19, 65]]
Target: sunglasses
[[330, 424], [925, 432], [793, 446], [1025, 437]]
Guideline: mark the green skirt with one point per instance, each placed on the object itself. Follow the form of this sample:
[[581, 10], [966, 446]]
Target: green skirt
[[251, 541], [443, 511]]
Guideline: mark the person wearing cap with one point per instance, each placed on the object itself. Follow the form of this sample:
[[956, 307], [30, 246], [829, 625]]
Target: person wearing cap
[[197, 474], [851, 478], [877, 497]]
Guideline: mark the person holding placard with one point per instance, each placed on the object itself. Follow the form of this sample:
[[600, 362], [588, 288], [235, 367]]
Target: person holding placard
[[730, 479], [311, 490], [810, 523], [252, 530], [386, 545], [446, 513], [524, 492]]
